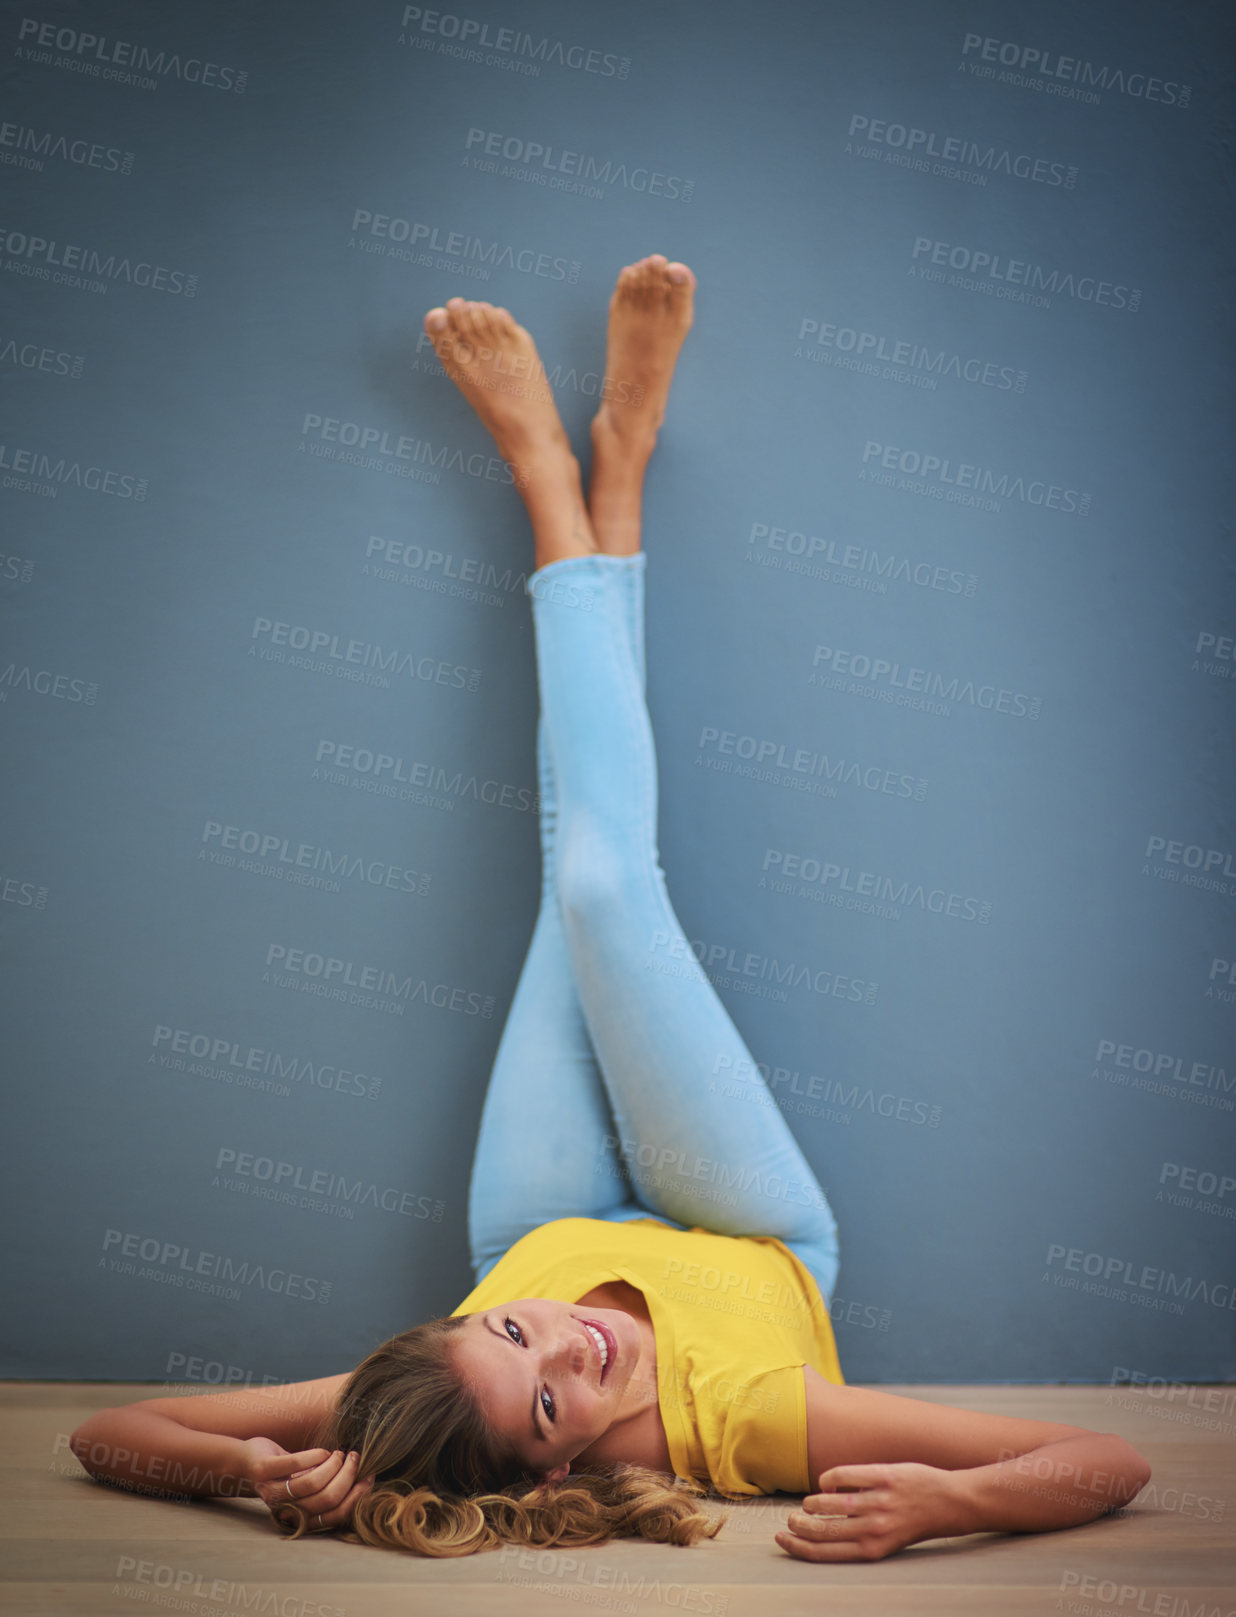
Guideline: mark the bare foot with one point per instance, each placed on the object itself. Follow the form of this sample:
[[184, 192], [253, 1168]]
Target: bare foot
[[650, 313], [493, 361]]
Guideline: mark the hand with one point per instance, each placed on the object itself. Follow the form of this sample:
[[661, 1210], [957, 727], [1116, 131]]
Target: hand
[[893, 1505], [321, 1482]]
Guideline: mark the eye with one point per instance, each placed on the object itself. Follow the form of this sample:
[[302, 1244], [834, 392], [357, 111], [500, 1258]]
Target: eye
[[513, 1331], [548, 1405]]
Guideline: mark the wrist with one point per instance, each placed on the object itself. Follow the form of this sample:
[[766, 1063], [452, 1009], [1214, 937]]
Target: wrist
[[963, 1508]]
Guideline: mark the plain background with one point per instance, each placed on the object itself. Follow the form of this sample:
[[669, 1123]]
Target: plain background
[[956, 409]]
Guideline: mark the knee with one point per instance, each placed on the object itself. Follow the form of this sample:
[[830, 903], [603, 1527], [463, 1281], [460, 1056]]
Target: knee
[[592, 880]]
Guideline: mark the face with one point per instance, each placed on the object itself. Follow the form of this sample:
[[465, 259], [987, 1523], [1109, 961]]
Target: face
[[542, 1380]]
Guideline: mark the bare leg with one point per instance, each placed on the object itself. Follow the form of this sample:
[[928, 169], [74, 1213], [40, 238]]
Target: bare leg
[[650, 312], [493, 361]]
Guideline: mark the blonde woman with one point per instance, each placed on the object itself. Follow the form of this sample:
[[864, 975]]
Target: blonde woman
[[652, 1251]]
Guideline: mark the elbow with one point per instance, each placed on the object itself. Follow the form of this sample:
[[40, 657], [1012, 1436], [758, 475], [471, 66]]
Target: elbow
[[86, 1446], [1134, 1466]]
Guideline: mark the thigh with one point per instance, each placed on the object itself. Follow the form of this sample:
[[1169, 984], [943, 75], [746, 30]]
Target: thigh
[[701, 1135], [546, 1147]]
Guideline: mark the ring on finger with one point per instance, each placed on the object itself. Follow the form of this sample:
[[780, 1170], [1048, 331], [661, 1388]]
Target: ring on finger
[[319, 1520], [287, 1483]]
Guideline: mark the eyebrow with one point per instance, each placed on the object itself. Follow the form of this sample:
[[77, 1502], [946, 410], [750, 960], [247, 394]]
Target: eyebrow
[[506, 1336]]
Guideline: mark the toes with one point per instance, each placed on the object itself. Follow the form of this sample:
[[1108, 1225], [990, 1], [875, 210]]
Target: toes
[[436, 320], [680, 274], [461, 322]]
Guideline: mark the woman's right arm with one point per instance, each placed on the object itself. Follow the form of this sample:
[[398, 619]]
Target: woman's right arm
[[198, 1445]]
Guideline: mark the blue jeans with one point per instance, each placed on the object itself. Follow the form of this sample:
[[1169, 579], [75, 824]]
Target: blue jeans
[[621, 1088]]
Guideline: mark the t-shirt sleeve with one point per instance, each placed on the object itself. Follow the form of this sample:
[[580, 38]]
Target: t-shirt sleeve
[[764, 1442]]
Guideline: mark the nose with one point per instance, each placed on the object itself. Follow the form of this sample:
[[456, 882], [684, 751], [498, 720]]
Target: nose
[[569, 1354]]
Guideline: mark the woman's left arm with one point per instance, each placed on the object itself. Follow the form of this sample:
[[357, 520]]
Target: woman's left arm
[[892, 1471]]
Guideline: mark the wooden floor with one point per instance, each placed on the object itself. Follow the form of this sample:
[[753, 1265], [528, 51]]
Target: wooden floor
[[71, 1546]]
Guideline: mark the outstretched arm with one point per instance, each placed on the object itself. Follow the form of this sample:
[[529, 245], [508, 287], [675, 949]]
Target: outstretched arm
[[248, 1442], [893, 1470]]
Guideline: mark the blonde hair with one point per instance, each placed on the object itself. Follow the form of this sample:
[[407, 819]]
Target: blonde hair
[[444, 1484]]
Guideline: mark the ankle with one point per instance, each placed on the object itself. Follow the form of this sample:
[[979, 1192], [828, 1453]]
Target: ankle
[[542, 463], [626, 437]]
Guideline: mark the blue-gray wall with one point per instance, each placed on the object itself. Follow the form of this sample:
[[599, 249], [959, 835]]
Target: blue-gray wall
[[940, 632]]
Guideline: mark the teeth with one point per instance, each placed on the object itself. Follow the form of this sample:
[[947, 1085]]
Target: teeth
[[600, 1342]]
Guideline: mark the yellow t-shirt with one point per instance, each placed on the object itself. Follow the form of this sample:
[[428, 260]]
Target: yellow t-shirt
[[735, 1319]]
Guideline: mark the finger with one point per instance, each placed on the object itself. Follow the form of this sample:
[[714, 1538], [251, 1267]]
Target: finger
[[335, 1490], [841, 1504], [309, 1479], [816, 1529], [836, 1550], [852, 1476], [275, 1466], [343, 1512], [322, 1520]]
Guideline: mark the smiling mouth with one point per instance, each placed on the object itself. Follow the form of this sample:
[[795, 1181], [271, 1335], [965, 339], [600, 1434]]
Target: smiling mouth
[[610, 1354]]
